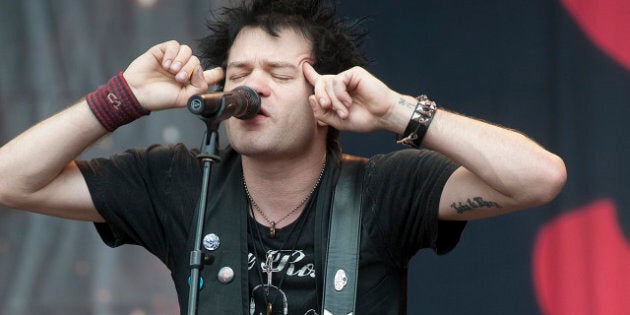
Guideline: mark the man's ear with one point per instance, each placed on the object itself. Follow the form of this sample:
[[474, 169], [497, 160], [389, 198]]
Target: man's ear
[[321, 123]]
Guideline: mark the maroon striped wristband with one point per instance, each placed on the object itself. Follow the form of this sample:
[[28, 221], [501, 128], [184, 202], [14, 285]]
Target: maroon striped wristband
[[114, 104]]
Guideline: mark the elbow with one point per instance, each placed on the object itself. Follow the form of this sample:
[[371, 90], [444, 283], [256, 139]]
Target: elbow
[[9, 198], [4, 195], [548, 182], [5, 198], [556, 178], [14, 195]]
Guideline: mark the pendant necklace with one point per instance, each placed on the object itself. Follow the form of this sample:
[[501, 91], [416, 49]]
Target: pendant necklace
[[257, 236], [269, 271], [272, 223]]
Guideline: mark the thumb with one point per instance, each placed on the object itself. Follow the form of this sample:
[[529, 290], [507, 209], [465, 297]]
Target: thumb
[[214, 75]]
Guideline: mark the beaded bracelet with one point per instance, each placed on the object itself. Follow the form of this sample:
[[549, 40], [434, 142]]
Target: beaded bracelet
[[419, 122], [114, 104]]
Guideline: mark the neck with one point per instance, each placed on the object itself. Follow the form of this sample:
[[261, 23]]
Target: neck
[[287, 168], [278, 186]]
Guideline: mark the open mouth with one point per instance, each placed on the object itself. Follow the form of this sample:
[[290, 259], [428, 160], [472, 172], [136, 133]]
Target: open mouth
[[263, 112]]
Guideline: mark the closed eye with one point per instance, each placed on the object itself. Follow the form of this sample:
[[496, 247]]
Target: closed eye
[[281, 78], [238, 76]]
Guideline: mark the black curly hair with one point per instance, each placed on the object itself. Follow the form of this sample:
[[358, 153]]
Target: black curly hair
[[335, 41]]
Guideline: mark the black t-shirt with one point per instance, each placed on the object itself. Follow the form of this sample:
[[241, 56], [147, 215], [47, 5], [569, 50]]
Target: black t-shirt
[[148, 198], [293, 272]]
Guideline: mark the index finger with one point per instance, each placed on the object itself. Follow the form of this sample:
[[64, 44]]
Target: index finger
[[309, 73]]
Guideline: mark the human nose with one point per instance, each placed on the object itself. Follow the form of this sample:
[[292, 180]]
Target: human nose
[[257, 81]]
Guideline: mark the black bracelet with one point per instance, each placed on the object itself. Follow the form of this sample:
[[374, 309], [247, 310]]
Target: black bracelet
[[419, 122]]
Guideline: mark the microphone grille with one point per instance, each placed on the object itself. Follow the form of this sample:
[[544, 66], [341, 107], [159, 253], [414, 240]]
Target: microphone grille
[[251, 101]]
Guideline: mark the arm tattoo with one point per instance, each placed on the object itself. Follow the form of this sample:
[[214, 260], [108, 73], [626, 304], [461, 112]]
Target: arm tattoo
[[472, 204]]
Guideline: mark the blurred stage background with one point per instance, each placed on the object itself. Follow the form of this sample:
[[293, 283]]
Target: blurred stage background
[[557, 70]]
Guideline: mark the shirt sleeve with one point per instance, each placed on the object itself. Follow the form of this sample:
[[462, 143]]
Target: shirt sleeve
[[145, 196], [402, 195]]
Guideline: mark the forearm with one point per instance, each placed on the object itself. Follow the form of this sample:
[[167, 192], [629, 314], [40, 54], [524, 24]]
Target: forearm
[[37, 172], [505, 160], [35, 158]]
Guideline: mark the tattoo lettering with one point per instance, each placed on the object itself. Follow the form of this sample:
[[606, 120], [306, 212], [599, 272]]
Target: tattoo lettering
[[402, 102], [473, 203]]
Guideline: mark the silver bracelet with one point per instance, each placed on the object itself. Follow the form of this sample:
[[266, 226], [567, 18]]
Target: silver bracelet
[[419, 122]]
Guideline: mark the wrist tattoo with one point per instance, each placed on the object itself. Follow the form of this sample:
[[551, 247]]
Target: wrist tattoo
[[404, 103], [472, 204]]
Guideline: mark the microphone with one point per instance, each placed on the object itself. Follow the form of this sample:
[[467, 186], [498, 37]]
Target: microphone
[[242, 102]]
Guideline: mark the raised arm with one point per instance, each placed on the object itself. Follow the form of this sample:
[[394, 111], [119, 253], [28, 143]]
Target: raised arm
[[37, 171], [501, 169]]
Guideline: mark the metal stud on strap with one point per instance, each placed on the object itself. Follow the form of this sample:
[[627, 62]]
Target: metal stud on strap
[[340, 280]]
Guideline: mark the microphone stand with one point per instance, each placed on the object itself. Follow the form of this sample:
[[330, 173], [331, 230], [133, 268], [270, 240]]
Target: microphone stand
[[208, 156]]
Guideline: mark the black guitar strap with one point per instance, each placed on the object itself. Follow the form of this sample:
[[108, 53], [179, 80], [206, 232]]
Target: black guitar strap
[[342, 261]]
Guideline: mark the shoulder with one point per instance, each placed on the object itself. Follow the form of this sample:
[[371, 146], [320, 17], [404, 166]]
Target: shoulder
[[160, 151], [408, 155], [154, 159], [410, 162]]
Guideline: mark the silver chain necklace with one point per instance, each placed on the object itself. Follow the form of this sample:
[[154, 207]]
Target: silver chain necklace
[[272, 227]]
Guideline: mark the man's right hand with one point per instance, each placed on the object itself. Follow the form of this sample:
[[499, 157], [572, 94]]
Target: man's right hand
[[160, 78]]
